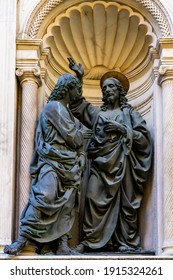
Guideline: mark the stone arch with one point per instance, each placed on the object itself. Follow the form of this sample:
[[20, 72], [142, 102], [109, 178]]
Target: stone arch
[[45, 14], [97, 41], [44, 8], [45, 17]]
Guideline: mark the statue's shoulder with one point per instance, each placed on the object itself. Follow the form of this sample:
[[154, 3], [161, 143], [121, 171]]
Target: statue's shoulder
[[51, 106]]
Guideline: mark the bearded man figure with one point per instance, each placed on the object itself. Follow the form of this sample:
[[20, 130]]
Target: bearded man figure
[[120, 151]]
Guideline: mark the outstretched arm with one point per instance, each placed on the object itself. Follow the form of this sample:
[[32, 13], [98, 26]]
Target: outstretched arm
[[77, 68]]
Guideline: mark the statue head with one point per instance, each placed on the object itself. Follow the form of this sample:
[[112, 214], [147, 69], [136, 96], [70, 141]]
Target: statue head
[[122, 85], [65, 83], [120, 78]]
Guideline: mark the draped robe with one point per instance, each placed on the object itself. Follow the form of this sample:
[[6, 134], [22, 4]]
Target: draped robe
[[55, 176], [119, 168]]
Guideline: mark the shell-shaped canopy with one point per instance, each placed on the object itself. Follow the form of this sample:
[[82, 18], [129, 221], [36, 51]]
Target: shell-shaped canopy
[[101, 36]]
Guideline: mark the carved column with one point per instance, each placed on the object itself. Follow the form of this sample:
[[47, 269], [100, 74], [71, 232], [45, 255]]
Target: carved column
[[165, 80], [29, 81]]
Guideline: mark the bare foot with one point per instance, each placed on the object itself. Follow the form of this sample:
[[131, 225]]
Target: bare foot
[[15, 247], [126, 249], [63, 249], [79, 249]]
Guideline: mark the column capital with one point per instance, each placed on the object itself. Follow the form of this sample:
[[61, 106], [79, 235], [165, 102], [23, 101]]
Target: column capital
[[165, 73], [29, 75], [165, 66]]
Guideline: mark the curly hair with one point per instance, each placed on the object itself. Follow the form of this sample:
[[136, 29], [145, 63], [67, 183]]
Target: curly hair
[[122, 98], [64, 83]]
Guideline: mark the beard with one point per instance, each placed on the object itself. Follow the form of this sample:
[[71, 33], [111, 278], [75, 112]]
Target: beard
[[111, 99]]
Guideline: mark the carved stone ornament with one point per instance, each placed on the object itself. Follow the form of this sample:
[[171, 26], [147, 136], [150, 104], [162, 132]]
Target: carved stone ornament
[[29, 75], [155, 8], [165, 74], [92, 34]]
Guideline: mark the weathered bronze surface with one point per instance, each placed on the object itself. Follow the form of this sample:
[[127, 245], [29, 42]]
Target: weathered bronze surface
[[56, 171], [120, 151]]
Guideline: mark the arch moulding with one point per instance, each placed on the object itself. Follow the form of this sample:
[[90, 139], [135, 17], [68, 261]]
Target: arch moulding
[[153, 11]]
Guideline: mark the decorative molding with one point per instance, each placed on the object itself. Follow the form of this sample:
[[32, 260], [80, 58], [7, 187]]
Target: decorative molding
[[165, 74], [97, 40], [40, 15], [157, 10], [142, 88], [160, 14], [29, 75], [166, 70], [145, 106], [165, 65]]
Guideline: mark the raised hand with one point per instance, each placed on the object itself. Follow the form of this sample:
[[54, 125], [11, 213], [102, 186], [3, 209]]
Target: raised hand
[[77, 68]]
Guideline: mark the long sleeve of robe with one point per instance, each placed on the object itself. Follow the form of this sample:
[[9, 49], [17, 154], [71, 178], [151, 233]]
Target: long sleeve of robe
[[119, 169], [55, 175]]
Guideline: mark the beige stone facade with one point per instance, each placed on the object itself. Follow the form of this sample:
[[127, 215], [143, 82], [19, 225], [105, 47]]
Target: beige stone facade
[[134, 37]]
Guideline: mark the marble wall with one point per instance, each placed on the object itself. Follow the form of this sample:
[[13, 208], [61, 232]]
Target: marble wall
[[8, 105]]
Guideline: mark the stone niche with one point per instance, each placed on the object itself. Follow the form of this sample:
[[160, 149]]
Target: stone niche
[[102, 36]]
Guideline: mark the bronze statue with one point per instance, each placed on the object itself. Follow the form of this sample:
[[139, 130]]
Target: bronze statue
[[120, 151], [56, 169]]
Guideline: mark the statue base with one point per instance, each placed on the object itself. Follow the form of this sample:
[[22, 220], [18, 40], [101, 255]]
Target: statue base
[[118, 253]]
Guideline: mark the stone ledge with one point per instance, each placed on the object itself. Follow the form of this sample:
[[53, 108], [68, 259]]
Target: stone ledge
[[95, 256]]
